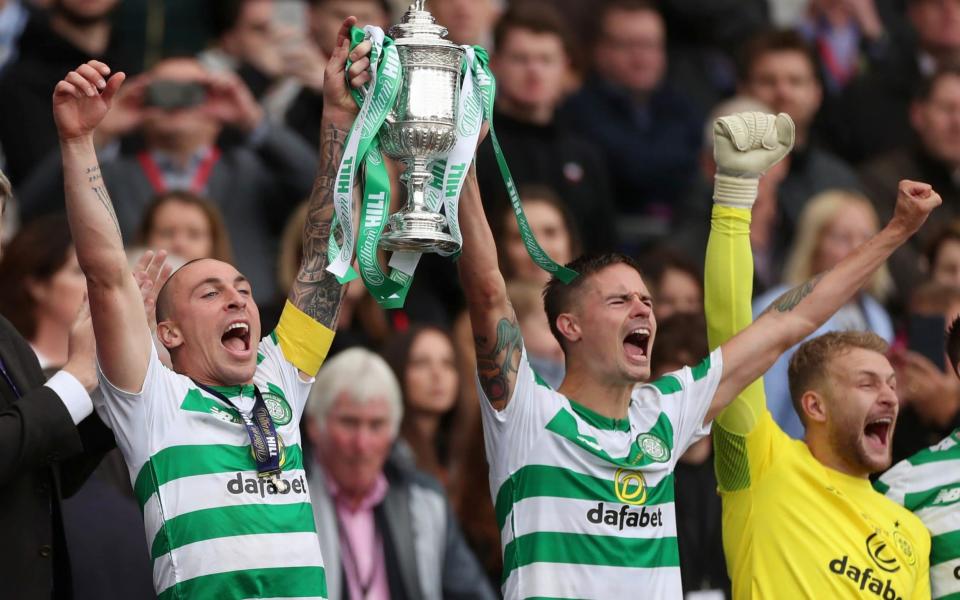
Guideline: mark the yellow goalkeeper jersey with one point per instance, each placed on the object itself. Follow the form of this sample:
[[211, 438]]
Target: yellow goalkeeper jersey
[[799, 529], [792, 527]]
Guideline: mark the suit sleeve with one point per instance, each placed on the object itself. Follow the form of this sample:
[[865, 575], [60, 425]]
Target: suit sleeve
[[463, 577], [728, 287], [35, 431]]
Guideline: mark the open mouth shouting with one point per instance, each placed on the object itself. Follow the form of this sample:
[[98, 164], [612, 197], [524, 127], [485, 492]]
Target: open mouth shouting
[[878, 433], [636, 345], [236, 338]]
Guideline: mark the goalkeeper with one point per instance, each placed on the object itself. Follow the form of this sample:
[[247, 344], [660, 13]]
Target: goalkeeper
[[800, 519]]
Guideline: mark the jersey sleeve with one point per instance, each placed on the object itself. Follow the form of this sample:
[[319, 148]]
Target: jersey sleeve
[[137, 418], [728, 289], [687, 395], [510, 432]]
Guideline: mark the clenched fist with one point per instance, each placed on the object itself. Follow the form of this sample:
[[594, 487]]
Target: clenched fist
[[746, 145], [915, 202]]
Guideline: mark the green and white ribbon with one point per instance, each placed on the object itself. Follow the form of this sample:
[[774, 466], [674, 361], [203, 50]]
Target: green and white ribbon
[[477, 93]]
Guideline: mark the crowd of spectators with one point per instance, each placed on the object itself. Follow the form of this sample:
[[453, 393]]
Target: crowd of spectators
[[604, 111]]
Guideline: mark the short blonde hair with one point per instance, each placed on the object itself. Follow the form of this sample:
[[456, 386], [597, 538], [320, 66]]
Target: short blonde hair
[[363, 375], [815, 218], [808, 365]]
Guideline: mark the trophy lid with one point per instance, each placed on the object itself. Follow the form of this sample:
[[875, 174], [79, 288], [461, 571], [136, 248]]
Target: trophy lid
[[419, 24]]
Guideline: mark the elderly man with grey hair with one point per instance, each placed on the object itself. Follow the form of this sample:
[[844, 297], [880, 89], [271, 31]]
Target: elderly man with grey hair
[[397, 536]]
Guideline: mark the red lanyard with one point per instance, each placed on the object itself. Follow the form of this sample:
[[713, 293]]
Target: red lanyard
[[155, 177]]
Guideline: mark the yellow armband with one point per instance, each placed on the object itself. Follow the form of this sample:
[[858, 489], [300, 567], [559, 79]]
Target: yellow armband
[[303, 341]]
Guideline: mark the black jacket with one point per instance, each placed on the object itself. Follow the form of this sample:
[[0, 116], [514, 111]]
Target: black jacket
[[43, 457]]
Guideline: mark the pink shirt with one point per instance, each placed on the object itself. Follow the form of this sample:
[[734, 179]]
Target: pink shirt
[[361, 546]]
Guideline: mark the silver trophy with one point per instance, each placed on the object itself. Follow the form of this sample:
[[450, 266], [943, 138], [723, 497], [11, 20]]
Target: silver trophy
[[421, 127]]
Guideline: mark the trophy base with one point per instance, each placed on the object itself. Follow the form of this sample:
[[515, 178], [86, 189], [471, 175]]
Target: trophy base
[[418, 232]]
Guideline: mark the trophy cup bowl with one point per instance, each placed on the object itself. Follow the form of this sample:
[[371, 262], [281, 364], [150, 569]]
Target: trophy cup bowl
[[421, 128]]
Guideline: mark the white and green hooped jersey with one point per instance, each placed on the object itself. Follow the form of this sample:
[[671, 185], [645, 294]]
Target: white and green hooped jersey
[[214, 529], [928, 484], [585, 503]]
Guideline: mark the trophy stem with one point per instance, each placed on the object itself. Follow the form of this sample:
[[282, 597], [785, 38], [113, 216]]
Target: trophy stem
[[416, 176]]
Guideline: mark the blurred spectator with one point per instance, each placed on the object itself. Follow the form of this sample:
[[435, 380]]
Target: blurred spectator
[[779, 69], [832, 225], [874, 116], [53, 43], [302, 59], [675, 281], [468, 21], [935, 116], [847, 34], [649, 132], [43, 288], [187, 226], [543, 350], [398, 537], [550, 223], [424, 362], [692, 232], [929, 395], [49, 442], [942, 255], [681, 341], [181, 109], [13, 19], [532, 63]]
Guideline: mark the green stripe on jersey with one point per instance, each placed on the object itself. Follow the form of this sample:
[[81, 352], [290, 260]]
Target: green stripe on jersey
[[533, 481], [932, 455], [944, 495], [583, 549], [280, 582], [668, 384], [565, 424], [189, 460], [944, 547], [248, 519]]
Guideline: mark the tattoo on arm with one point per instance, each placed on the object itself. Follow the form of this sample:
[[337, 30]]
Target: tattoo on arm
[[316, 291], [790, 299], [97, 186], [497, 366]]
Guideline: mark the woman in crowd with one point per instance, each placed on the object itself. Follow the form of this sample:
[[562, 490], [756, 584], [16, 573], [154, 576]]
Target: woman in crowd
[[552, 225], [43, 287], [187, 226], [675, 282], [424, 362], [832, 225], [943, 255]]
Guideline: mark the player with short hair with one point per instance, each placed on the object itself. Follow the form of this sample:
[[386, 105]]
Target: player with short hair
[[800, 519], [213, 445], [582, 476], [928, 484]]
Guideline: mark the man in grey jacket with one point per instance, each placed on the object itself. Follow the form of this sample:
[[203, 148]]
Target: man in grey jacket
[[204, 133], [386, 529]]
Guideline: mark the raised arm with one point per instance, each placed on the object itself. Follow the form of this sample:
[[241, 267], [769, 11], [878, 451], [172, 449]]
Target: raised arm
[[800, 311], [80, 102], [496, 333], [316, 292]]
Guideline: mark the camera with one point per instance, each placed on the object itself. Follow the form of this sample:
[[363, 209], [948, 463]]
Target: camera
[[172, 95]]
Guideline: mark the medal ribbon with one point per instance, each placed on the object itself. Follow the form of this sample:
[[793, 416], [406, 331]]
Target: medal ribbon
[[200, 178], [264, 439]]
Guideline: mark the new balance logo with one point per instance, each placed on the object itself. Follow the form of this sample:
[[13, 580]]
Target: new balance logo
[[262, 487], [865, 579], [947, 496], [625, 517]]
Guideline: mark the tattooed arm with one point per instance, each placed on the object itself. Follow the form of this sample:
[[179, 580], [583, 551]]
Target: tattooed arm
[[316, 291], [496, 332], [80, 102], [802, 310]]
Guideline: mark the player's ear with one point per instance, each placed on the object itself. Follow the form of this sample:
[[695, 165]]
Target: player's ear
[[169, 335], [814, 407], [569, 326]]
